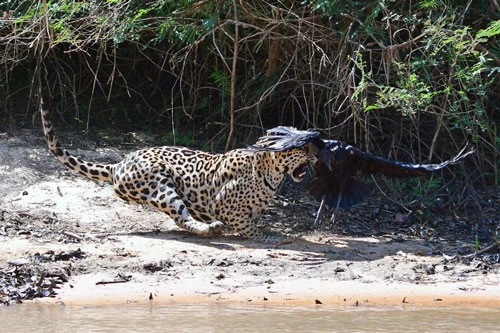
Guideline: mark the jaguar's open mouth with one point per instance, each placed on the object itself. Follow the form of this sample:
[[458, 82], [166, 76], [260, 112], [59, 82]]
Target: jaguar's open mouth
[[299, 172]]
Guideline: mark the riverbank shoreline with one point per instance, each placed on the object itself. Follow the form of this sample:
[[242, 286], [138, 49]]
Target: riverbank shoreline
[[83, 291]]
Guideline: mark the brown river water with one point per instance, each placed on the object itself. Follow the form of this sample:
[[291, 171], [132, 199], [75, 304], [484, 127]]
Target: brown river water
[[244, 318]]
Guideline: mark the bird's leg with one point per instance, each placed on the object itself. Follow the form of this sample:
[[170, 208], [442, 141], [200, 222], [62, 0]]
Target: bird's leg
[[317, 220], [334, 219]]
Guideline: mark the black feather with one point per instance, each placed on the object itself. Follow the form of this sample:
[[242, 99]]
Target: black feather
[[346, 156], [284, 138]]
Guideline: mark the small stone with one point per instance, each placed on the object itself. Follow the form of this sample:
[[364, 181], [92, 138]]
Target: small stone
[[18, 262]]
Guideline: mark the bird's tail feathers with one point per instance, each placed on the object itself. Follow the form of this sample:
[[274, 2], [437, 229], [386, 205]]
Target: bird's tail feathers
[[461, 154]]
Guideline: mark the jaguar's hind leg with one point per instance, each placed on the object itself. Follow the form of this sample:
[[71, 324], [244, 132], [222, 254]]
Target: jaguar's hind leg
[[168, 201], [162, 194]]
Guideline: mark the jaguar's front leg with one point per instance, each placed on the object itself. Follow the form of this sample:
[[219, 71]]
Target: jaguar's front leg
[[239, 204]]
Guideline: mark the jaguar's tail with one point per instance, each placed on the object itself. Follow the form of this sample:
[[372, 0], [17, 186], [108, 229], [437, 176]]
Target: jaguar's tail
[[102, 172]]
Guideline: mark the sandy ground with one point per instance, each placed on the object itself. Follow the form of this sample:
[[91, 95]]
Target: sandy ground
[[107, 251]]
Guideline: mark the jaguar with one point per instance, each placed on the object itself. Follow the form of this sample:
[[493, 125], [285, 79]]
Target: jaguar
[[204, 193]]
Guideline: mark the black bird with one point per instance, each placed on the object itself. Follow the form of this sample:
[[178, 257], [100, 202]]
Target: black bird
[[337, 164]]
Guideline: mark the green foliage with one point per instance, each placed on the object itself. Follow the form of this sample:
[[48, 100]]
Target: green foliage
[[222, 80], [409, 97], [445, 77], [366, 13], [121, 21], [430, 4], [493, 29]]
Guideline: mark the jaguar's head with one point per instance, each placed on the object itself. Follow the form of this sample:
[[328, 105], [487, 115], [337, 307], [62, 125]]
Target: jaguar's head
[[293, 149], [296, 161]]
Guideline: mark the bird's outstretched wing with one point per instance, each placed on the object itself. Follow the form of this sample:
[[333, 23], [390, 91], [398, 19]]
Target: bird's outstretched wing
[[283, 138], [338, 163], [346, 156]]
